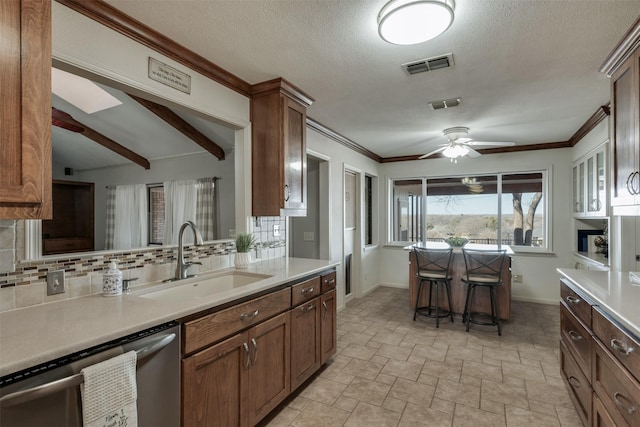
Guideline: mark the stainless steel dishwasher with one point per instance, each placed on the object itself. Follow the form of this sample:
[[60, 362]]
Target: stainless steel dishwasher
[[48, 395]]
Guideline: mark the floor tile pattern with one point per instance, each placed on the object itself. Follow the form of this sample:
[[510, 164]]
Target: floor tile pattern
[[392, 371]]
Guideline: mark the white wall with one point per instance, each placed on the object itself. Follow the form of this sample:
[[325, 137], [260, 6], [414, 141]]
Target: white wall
[[540, 280], [337, 156]]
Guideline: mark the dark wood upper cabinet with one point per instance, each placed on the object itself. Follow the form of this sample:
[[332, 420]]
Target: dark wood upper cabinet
[[623, 66], [25, 109], [278, 149]]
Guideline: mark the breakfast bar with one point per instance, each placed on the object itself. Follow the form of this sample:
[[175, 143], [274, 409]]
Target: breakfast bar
[[481, 302]]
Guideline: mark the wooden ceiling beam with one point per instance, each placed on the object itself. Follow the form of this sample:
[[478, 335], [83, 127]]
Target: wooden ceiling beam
[[181, 126], [65, 121]]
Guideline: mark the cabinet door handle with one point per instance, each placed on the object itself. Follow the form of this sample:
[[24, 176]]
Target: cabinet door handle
[[249, 316], [255, 350], [246, 355], [574, 335], [635, 182], [575, 383], [287, 192], [621, 348], [332, 281], [307, 307], [629, 189], [629, 408], [324, 312], [306, 291], [572, 300]]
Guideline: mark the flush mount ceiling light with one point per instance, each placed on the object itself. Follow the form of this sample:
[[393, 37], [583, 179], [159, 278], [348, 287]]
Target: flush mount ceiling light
[[408, 22]]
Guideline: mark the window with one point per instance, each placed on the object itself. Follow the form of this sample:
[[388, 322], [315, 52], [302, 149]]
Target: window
[[370, 213], [505, 209], [156, 214]]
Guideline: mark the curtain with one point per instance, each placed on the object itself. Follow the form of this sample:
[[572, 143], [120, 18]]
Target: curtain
[[207, 217], [179, 206], [110, 217], [130, 227]]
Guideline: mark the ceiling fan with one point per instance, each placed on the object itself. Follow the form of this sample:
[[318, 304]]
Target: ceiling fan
[[460, 145]]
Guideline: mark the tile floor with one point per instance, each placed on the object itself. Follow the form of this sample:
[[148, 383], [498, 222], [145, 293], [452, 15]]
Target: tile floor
[[391, 371]]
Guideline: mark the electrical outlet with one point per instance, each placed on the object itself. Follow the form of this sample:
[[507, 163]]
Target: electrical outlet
[[517, 278], [276, 230], [232, 233], [55, 282]]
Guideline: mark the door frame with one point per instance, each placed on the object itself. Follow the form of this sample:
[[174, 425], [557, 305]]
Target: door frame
[[356, 257]]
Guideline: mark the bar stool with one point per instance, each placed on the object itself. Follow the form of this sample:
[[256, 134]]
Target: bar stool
[[433, 267], [484, 269]]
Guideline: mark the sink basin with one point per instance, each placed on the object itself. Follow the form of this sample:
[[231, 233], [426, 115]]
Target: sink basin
[[177, 292]]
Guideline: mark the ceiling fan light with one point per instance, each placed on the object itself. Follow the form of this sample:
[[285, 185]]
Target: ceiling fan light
[[407, 22], [455, 150]]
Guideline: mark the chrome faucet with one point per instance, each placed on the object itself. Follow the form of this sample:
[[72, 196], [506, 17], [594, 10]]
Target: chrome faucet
[[181, 265]]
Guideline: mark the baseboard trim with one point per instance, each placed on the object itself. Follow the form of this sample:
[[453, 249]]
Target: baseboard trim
[[536, 300]]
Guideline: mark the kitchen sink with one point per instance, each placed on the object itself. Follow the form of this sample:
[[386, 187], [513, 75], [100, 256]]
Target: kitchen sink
[[177, 292]]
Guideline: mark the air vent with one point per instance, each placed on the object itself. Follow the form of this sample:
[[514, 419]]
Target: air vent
[[445, 103], [429, 64]]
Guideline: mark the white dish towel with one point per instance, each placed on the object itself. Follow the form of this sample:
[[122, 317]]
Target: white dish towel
[[109, 393]]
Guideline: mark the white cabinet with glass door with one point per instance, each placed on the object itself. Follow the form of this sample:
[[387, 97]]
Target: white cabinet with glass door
[[590, 184]]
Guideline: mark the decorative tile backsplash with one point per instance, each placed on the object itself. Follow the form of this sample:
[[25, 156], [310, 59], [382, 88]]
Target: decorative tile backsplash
[[23, 283]]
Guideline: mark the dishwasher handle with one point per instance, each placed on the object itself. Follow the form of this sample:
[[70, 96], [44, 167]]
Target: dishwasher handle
[[153, 345]]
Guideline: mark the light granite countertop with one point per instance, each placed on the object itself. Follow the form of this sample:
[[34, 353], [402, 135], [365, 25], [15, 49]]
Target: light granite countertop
[[33, 335], [612, 291]]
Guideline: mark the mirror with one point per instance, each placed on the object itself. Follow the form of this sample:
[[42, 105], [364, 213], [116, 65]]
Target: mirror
[[78, 162]]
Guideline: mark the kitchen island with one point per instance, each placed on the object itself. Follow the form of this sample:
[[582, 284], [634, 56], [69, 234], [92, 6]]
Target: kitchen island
[[481, 302]]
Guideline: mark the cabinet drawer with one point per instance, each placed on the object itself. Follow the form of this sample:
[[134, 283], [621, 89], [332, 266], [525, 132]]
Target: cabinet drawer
[[328, 281], [577, 304], [580, 389], [577, 339], [602, 418], [616, 388], [213, 327], [305, 291], [623, 347]]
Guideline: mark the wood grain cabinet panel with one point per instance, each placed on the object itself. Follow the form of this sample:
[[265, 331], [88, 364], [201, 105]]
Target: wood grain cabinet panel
[[305, 341], [278, 149], [213, 327], [25, 109], [328, 342], [620, 344], [269, 375], [578, 305], [614, 385], [214, 385], [624, 132], [602, 418], [577, 339], [579, 386], [305, 291], [328, 282]]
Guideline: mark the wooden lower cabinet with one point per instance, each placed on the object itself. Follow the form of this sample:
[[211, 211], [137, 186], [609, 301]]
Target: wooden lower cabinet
[[214, 384], [305, 341], [328, 326], [602, 418], [240, 380], [269, 375]]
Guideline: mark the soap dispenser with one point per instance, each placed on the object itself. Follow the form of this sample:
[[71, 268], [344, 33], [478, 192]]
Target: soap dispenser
[[112, 281]]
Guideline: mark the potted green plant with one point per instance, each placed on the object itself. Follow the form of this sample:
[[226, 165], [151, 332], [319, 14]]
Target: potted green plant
[[244, 241]]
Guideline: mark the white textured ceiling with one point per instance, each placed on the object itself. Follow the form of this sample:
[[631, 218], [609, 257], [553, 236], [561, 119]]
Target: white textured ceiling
[[132, 126], [527, 70]]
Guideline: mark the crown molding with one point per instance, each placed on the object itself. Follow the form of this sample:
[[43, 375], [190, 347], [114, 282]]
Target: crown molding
[[116, 20]]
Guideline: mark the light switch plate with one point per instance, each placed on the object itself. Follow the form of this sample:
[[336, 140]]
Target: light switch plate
[[308, 236], [55, 282]]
